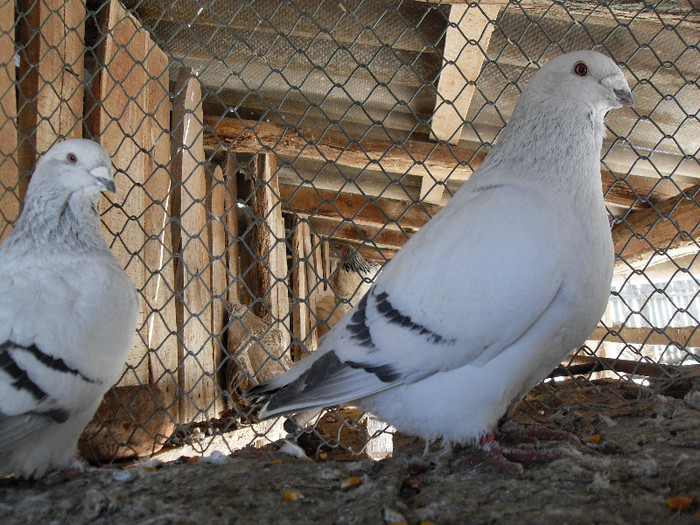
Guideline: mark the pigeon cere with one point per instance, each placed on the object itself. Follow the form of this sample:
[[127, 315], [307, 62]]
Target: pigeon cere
[[421, 263]]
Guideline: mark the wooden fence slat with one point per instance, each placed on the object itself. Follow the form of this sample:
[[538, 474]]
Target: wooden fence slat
[[310, 255], [219, 270], [270, 249], [160, 330], [300, 287], [232, 245], [117, 120], [9, 169], [52, 76], [197, 363]]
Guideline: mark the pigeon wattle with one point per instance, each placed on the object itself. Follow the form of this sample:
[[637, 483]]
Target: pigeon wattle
[[495, 291], [67, 312]]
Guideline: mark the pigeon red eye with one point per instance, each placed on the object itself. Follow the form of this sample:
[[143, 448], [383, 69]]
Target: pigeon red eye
[[72, 158], [581, 69]]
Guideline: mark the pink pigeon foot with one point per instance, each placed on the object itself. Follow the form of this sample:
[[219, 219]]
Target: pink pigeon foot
[[526, 450]]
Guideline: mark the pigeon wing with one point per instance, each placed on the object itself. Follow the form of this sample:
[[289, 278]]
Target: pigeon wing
[[438, 305]]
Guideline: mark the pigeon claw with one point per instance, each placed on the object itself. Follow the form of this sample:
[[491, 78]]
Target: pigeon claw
[[492, 453]]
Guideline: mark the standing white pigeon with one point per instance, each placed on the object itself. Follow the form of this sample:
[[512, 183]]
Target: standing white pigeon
[[494, 292], [67, 312]]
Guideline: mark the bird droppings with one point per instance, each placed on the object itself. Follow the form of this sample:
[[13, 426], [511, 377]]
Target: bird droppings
[[632, 482]]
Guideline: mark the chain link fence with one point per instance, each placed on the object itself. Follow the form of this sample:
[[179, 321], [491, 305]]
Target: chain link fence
[[272, 156]]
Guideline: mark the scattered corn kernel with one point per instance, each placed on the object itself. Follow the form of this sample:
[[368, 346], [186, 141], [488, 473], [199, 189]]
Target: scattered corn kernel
[[323, 456], [426, 523], [275, 462], [350, 483], [595, 438], [679, 502], [293, 495]]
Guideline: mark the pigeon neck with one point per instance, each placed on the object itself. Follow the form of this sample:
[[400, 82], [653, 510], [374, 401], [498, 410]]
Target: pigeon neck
[[53, 217], [552, 143]]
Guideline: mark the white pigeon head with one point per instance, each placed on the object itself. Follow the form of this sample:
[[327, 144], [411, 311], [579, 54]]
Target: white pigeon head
[[75, 165], [583, 76]]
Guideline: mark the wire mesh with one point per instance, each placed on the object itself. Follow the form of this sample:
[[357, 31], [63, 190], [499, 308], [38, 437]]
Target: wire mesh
[[273, 155]]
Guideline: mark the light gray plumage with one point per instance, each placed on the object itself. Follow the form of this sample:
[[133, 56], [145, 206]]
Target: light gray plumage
[[494, 292], [67, 312]]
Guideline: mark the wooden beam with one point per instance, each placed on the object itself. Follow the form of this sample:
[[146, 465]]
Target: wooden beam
[[671, 224], [338, 231], [686, 336], [461, 65], [427, 159], [197, 359], [353, 208], [245, 136], [9, 169]]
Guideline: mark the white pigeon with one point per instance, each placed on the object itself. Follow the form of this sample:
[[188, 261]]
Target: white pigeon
[[67, 312], [492, 293]]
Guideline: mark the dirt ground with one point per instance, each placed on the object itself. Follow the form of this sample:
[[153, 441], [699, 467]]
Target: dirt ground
[[647, 455]]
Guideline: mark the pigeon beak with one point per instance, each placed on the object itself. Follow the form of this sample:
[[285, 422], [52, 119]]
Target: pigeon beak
[[103, 176], [618, 85], [624, 97]]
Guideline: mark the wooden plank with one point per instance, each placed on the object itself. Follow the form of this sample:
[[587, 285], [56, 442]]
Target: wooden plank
[[300, 308], [254, 137], [671, 224], [52, 75], [197, 363], [270, 248], [423, 158], [354, 208], [685, 336], [232, 245], [461, 65], [9, 169], [158, 251], [348, 231], [310, 248], [219, 270], [116, 119]]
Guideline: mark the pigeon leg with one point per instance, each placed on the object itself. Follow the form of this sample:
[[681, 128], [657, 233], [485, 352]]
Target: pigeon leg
[[492, 453], [526, 440], [75, 470], [518, 433]]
